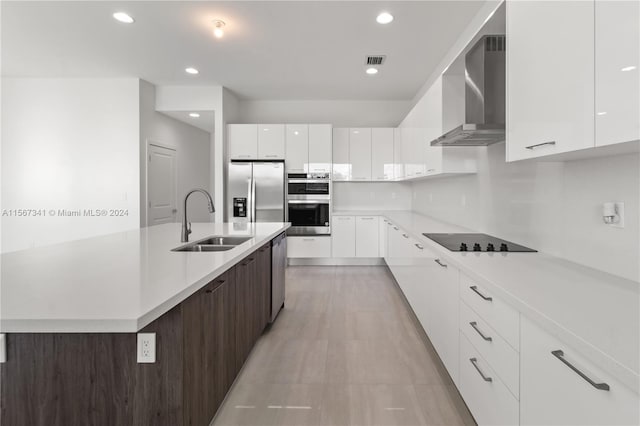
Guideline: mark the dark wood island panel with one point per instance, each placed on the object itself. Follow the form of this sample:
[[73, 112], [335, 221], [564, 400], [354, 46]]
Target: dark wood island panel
[[82, 379]]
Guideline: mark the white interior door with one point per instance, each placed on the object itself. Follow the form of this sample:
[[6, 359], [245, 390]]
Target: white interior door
[[162, 176]]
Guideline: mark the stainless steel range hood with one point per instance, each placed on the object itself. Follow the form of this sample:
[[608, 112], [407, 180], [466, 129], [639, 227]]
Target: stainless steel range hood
[[484, 96]]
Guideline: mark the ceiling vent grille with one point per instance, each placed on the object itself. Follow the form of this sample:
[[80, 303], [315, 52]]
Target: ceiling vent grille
[[376, 59]]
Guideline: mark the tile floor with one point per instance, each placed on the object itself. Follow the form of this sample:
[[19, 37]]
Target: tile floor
[[344, 351]]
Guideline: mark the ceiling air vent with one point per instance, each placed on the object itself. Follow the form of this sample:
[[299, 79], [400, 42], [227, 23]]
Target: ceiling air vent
[[376, 59]]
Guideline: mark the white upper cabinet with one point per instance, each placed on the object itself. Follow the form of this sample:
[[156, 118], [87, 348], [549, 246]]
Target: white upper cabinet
[[360, 154], [398, 162], [341, 165], [617, 56], [271, 141], [550, 77], [242, 141], [320, 137], [382, 154], [433, 127], [297, 143]]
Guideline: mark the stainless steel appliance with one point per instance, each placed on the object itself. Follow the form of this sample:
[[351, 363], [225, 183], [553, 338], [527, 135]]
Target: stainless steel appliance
[[278, 265], [309, 203], [256, 191], [476, 243], [485, 91]]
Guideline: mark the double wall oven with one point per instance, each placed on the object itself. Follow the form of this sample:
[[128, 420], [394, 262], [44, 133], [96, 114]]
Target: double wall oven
[[309, 203]]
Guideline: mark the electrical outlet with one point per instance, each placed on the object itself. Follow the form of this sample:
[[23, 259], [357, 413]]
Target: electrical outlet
[[146, 348]]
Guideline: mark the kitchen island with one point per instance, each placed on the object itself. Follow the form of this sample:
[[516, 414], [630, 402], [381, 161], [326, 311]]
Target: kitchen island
[[71, 313]]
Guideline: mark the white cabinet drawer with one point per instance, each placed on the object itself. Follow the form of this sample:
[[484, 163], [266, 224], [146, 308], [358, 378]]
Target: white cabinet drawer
[[501, 317], [555, 387], [309, 246], [489, 400], [502, 358]]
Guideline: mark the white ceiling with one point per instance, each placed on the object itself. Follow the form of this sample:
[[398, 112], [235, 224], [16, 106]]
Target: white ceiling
[[271, 50], [205, 122]]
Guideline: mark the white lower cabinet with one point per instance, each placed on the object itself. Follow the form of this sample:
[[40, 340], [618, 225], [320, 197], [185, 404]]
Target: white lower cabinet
[[487, 397], [504, 360], [443, 322], [308, 247], [367, 236], [383, 230], [343, 234], [502, 317], [558, 386]]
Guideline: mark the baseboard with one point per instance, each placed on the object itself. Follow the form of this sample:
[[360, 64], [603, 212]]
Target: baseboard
[[334, 261]]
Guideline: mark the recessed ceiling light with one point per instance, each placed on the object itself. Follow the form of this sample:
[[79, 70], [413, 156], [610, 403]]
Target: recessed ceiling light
[[194, 115], [218, 28], [372, 71], [191, 70], [602, 113], [629, 68], [384, 18], [123, 17]]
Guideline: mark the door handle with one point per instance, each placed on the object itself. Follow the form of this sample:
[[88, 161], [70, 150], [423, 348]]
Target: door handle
[[474, 361], [600, 386], [540, 144], [475, 327], [439, 262], [476, 291]]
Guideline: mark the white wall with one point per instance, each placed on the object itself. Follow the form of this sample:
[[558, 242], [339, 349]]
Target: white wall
[[371, 196], [68, 144], [553, 207], [339, 113], [202, 98], [193, 154]]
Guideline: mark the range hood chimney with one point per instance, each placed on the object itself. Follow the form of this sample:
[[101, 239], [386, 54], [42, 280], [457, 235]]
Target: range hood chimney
[[484, 96]]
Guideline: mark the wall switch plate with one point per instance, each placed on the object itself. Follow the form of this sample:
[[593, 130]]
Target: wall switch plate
[[3, 347], [146, 348], [620, 211]]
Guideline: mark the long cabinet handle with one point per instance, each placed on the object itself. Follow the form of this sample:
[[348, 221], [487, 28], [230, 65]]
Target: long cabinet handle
[[419, 246], [475, 327], [540, 144], [474, 361], [439, 262], [476, 291], [396, 228], [405, 235], [560, 355]]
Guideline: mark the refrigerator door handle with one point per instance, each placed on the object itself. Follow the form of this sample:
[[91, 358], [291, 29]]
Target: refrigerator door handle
[[249, 200], [253, 200]]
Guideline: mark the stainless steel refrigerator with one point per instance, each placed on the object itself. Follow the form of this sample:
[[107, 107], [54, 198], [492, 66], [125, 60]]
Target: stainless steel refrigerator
[[256, 191]]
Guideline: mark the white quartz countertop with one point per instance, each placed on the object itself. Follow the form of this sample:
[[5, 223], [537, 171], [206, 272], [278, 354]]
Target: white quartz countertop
[[595, 312], [115, 283]]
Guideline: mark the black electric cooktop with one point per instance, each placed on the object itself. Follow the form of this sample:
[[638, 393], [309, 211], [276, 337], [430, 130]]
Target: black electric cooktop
[[477, 243]]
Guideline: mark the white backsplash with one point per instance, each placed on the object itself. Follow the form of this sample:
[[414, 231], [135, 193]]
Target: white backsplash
[[554, 207], [371, 196]]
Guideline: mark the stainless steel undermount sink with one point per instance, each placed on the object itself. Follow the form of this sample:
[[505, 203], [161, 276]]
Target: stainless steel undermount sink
[[213, 243], [201, 247], [223, 241]]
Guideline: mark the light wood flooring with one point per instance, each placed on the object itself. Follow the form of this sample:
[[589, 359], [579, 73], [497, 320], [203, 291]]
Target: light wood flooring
[[344, 351]]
